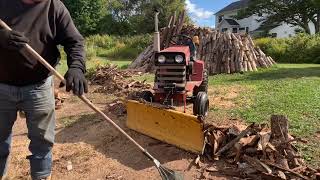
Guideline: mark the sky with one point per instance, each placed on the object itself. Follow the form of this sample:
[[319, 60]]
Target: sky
[[202, 11]]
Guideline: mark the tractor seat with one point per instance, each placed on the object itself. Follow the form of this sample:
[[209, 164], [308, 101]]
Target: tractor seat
[[192, 47]]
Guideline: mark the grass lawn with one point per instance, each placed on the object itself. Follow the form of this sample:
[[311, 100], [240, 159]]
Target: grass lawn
[[293, 90], [288, 89]]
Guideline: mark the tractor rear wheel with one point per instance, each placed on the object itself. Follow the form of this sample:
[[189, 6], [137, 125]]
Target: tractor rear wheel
[[147, 96], [201, 104], [203, 86]]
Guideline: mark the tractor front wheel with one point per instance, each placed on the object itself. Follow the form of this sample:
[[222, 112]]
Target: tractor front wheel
[[203, 86], [201, 104], [147, 96]]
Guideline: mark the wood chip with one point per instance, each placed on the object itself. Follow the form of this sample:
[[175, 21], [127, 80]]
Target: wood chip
[[285, 169], [212, 169], [281, 175], [197, 161]]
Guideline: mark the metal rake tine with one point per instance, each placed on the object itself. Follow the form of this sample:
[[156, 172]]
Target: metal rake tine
[[168, 174]]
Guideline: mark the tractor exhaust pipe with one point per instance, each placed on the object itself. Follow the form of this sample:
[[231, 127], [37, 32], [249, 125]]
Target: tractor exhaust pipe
[[156, 44]]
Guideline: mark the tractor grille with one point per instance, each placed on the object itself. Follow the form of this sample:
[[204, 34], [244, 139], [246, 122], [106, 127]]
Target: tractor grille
[[170, 75]]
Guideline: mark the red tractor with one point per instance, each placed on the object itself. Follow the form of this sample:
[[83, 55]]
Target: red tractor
[[179, 77]]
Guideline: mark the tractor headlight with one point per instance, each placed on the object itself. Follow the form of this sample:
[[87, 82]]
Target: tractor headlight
[[179, 58], [161, 59]]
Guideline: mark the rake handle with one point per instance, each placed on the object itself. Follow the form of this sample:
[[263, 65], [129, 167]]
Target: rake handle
[[83, 98]]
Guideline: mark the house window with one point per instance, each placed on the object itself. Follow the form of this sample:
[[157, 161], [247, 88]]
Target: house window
[[224, 29], [274, 35], [221, 18], [234, 30], [247, 29], [242, 29]]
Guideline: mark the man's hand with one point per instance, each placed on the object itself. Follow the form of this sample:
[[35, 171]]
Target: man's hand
[[76, 81], [12, 40]]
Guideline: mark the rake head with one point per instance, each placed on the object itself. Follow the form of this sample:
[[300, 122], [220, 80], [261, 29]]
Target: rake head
[[165, 173], [168, 174]]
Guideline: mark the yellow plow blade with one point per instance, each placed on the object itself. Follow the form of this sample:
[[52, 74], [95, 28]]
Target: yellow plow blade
[[173, 127]]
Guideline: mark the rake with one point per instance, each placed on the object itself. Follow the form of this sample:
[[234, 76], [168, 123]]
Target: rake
[[165, 173]]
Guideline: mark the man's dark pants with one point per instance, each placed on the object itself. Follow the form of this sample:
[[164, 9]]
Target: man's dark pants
[[37, 101]]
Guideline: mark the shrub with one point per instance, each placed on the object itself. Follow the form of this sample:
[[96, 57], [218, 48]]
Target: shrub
[[116, 47], [302, 48]]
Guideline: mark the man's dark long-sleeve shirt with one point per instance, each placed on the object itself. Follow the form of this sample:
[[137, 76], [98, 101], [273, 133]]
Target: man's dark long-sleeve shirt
[[46, 24]]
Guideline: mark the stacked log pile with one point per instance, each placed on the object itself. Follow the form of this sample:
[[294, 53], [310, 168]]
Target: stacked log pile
[[231, 53], [223, 52]]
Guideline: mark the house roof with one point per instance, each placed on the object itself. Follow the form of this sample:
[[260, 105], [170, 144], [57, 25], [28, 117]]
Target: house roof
[[232, 22], [235, 5]]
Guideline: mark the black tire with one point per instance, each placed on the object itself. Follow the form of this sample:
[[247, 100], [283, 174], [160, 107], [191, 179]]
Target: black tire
[[201, 104], [147, 95], [203, 86]]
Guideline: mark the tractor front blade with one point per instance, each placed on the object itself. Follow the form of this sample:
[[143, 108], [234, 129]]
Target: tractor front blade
[[180, 129]]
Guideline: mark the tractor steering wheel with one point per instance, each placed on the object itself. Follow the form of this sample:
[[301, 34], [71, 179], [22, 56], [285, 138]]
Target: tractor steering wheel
[[181, 39]]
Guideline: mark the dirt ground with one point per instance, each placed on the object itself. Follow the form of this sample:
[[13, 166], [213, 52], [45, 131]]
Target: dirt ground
[[97, 151]]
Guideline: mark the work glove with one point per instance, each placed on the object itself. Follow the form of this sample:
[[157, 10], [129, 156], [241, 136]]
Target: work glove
[[76, 81], [12, 40]]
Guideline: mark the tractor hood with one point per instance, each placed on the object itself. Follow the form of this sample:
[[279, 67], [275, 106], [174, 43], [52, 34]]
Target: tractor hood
[[178, 49]]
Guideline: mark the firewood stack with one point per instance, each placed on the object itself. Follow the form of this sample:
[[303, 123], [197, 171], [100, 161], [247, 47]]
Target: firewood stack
[[258, 151], [223, 52], [231, 53]]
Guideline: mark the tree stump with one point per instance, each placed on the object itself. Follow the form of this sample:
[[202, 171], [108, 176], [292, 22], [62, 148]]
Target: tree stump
[[279, 127], [279, 138]]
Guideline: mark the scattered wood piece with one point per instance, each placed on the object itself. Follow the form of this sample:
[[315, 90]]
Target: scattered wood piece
[[249, 141], [197, 161], [59, 98], [118, 82], [69, 166], [231, 144], [212, 169], [257, 164], [281, 175], [285, 169]]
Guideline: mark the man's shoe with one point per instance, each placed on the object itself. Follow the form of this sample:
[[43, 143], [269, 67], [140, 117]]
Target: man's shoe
[[47, 178]]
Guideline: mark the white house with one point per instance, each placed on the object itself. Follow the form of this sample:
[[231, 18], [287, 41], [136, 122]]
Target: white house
[[225, 21]]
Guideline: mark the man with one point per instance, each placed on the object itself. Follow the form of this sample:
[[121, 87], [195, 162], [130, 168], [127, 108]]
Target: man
[[26, 85]]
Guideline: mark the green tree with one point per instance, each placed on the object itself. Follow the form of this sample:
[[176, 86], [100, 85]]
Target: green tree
[[137, 16], [294, 12], [87, 14]]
